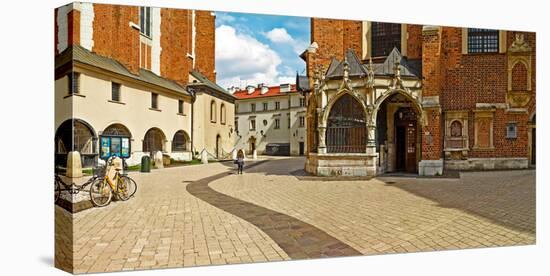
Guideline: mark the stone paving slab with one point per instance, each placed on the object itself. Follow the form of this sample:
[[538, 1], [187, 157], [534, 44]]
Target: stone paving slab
[[408, 215], [166, 226]]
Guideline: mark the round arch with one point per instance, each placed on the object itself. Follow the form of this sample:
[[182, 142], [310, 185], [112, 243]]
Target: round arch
[[180, 141], [75, 135], [154, 140], [388, 94], [117, 129]]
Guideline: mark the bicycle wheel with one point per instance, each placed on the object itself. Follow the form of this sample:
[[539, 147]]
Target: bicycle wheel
[[126, 188], [57, 190], [100, 192]]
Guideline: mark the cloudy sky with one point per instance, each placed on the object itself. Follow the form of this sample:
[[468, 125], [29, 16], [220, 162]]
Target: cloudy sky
[[254, 48]]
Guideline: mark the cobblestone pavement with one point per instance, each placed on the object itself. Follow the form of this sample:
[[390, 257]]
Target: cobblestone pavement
[[398, 214], [166, 226]]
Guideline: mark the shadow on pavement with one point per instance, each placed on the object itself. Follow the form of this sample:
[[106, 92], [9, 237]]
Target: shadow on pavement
[[506, 198]]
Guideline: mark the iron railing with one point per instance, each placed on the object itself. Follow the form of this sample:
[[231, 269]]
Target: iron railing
[[346, 139]]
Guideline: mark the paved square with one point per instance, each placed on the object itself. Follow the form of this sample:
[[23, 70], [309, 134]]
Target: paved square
[[206, 214]]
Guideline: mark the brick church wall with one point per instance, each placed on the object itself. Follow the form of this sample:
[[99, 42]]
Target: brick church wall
[[205, 44], [114, 37]]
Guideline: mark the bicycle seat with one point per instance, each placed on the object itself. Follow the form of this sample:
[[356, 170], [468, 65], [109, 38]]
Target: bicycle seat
[[118, 169]]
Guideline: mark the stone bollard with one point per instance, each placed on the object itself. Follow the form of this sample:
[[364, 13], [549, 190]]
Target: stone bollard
[[74, 164], [254, 155], [158, 158], [204, 157]]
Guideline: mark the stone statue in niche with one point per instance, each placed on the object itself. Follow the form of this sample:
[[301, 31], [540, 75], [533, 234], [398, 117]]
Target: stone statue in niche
[[456, 129]]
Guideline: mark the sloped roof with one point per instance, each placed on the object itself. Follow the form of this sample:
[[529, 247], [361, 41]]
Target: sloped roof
[[203, 80], [272, 91], [356, 69], [408, 68], [79, 54]]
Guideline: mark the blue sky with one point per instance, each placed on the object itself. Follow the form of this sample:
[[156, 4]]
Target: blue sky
[[255, 48]]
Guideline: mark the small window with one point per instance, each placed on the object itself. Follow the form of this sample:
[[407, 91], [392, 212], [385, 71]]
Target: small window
[[277, 105], [74, 83], [302, 102], [253, 107], [302, 121], [213, 111], [264, 122], [145, 21], [115, 92], [277, 123], [483, 40], [512, 131], [154, 101], [236, 107], [222, 114], [237, 125], [180, 106], [265, 106], [252, 124]]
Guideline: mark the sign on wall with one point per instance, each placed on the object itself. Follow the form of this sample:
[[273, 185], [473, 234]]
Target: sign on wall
[[114, 146]]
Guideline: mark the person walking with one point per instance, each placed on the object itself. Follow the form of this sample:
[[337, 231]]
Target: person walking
[[240, 162]]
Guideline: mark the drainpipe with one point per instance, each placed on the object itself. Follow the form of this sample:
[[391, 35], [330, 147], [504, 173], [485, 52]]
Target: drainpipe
[[193, 98]]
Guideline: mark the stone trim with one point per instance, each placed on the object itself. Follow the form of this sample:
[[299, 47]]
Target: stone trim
[[496, 163], [480, 114]]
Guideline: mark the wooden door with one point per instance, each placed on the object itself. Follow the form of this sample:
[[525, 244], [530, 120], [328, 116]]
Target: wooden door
[[410, 139]]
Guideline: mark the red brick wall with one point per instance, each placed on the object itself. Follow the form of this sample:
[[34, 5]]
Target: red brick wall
[[414, 42], [176, 44], [114, 37], [431, 86], [205, 44], [481, 78], [73, 27], [329, 35], [352, 36]]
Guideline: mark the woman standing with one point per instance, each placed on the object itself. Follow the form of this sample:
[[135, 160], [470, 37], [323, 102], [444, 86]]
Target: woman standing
[[240, 162]]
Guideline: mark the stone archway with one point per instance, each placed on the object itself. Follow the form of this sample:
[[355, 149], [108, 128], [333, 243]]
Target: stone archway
[[398, 133], [75, 135]]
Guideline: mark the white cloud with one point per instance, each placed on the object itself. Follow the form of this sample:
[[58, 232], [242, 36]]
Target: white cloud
[[279, 35], [224, 18], [241, 59]]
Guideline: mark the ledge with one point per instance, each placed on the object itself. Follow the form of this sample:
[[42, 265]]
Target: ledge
[[75, 94], [116, 102], [155, 109]]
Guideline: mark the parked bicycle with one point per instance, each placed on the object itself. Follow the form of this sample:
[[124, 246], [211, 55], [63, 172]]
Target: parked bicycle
[[72, 188], [103, 188]]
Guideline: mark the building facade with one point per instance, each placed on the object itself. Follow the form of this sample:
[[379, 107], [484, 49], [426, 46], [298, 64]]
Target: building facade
[[386, 97], [141, 72], [270, 120]]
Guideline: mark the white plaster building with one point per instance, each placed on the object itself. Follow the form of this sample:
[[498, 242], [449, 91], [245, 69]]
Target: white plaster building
[[270, 120]]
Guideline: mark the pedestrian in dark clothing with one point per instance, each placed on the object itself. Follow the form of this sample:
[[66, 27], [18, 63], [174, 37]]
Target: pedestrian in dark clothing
[[240, 162]]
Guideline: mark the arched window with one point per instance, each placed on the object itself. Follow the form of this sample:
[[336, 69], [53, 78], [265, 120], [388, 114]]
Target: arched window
[[117, 130], [456, 129], [153, 140], [180, 140], [75, 135], [346, 127], [222, 114], [213, 111]]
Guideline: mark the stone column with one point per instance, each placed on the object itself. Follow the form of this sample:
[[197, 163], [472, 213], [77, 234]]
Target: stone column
[[322, 147], [432, 161]]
